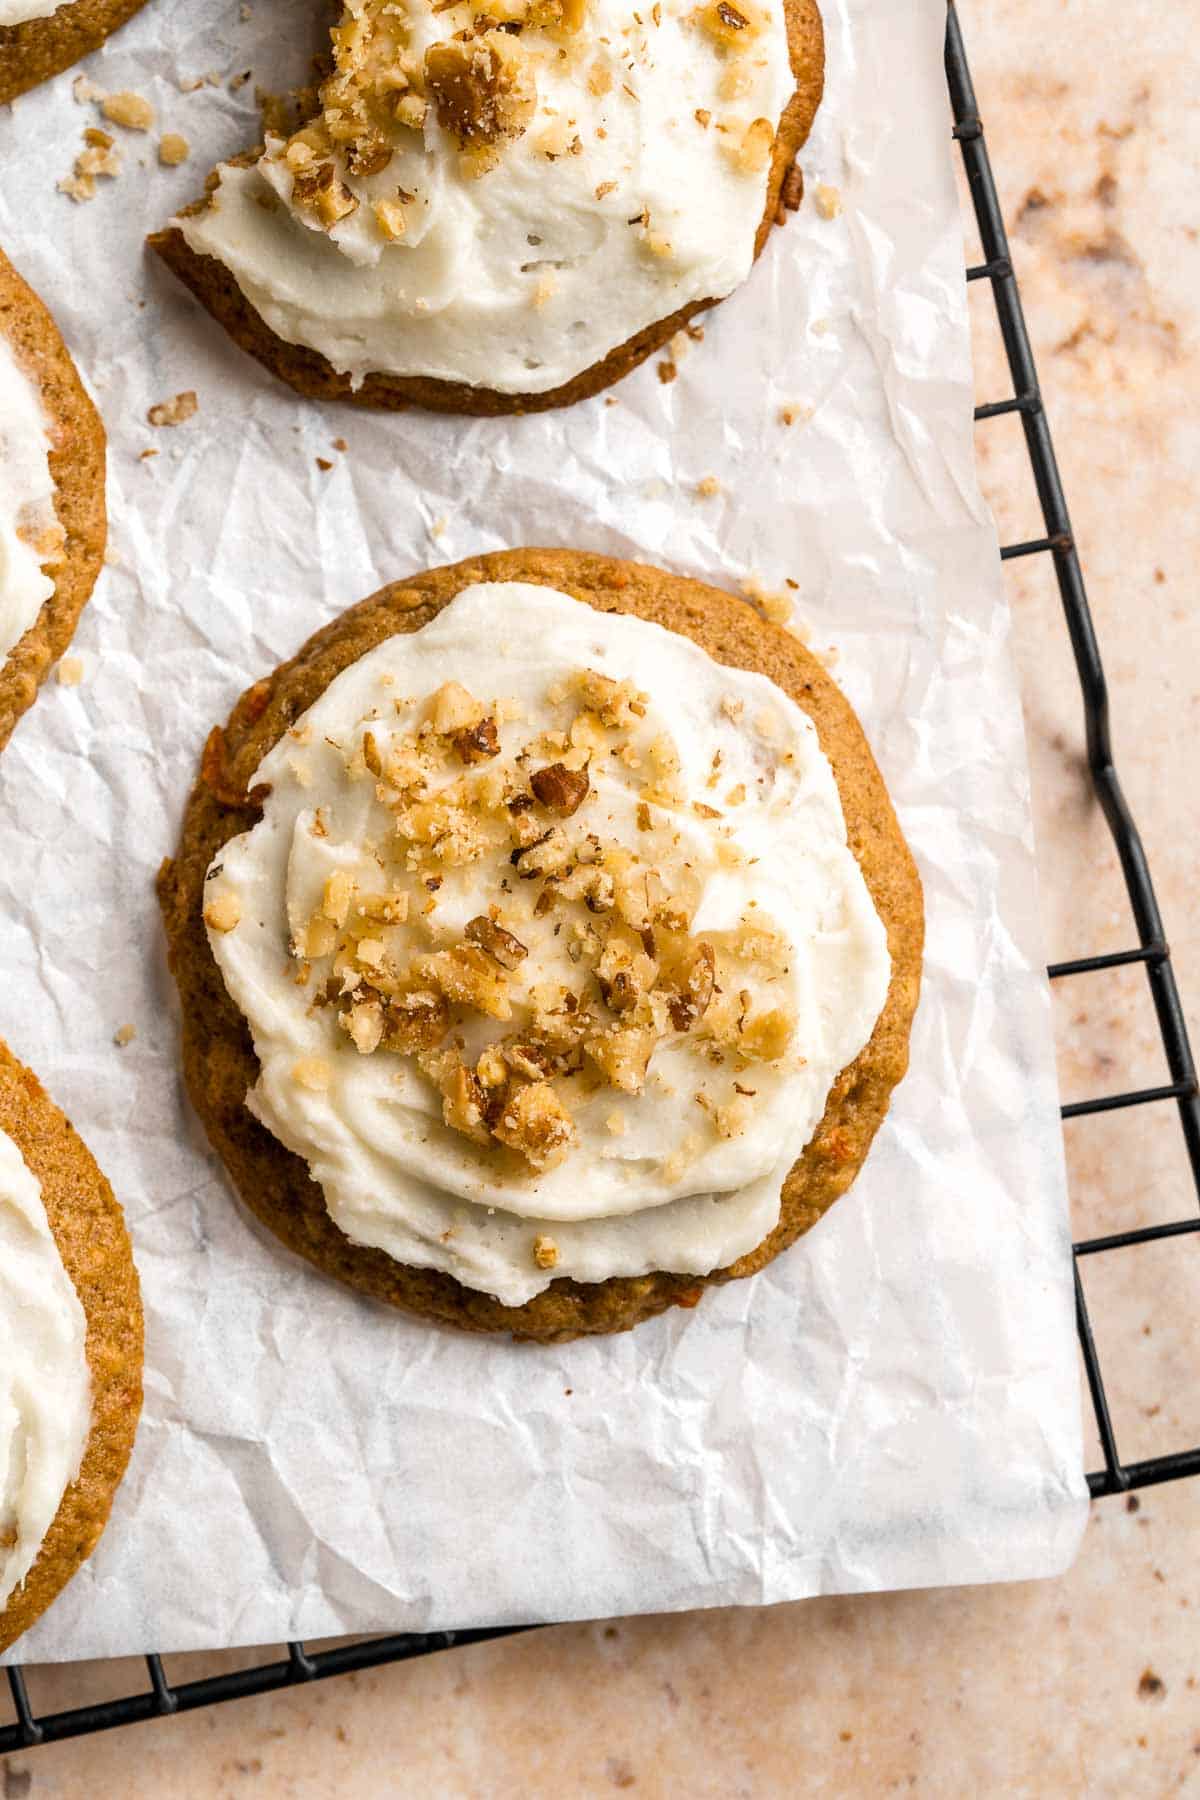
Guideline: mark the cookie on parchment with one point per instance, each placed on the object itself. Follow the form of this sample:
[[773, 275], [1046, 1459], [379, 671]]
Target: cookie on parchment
[[577, 1073], [520, 214], [53, 524], [50, 37], [48, 1176]]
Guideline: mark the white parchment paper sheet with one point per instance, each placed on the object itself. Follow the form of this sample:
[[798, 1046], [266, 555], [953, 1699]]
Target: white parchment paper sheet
[[894, 1402]]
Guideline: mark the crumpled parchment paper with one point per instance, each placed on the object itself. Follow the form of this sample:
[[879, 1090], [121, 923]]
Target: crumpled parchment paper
[[895, 1401]]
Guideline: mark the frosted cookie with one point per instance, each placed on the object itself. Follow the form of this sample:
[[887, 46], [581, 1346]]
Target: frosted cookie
[[52, 517], [70, 1350], [546, 942], [505, 205], [38, 38]]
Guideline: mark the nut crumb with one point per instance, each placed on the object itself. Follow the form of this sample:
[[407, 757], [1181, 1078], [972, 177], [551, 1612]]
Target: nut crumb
[[129, 110], [223, 911], [173, 149], [323, 462], [84, 90], [124, 1034], [545, 1252], [667, 372], [708, 487], [174, 412], [70, 671]]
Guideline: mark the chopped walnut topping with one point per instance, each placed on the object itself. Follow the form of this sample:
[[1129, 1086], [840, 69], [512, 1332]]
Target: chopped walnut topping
[[454, 709], [730, 26], [559, 789], [223, 911], [467, 977], [415, 1021], [545, 1252], [462, 1098], [536, 1123], [320, 189], [174, 412], [692, 999], [496, 942], [364, 1023], [484, 90], [477, 742], [618, 703], [622, 1055], [391, 220]]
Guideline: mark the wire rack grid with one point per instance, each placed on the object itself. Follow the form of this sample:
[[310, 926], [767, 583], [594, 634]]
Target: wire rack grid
[[163, 1698]]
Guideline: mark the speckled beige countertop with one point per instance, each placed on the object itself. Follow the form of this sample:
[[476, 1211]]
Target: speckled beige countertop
[[1087, 1685]]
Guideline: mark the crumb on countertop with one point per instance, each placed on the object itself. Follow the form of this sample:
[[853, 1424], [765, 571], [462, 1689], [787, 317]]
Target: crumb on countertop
[[124, 1034], [173, 149], [70, 671]]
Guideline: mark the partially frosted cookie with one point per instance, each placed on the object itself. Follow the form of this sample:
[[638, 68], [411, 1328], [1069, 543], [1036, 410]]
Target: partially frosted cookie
[[38, 38], [547, 944], [70, 1350], [504, 205], [52, 516]]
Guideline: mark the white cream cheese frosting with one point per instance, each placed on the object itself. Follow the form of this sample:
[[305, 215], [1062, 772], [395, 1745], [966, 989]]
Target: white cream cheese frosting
[[639, 998], [45, 1386], [16, 12], [30, 535], [511, 242]]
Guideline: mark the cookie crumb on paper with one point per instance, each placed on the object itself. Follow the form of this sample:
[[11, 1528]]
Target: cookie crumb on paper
[[176, 411]]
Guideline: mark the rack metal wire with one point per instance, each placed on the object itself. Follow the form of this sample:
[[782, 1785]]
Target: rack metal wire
[[163, 1698]]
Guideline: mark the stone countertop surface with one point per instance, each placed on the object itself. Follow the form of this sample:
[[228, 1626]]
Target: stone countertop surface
[[1089, 1684]]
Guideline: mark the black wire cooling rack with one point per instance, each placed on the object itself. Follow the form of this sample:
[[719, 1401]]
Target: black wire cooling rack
[[300, 1665]]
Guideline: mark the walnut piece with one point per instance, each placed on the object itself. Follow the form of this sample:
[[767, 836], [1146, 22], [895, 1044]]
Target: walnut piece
[[559, 789], [223, 911], [454, 709], [545, 1252], [536, 1123], [478, 742], [320, 189], [484, 90], [497, 943]]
